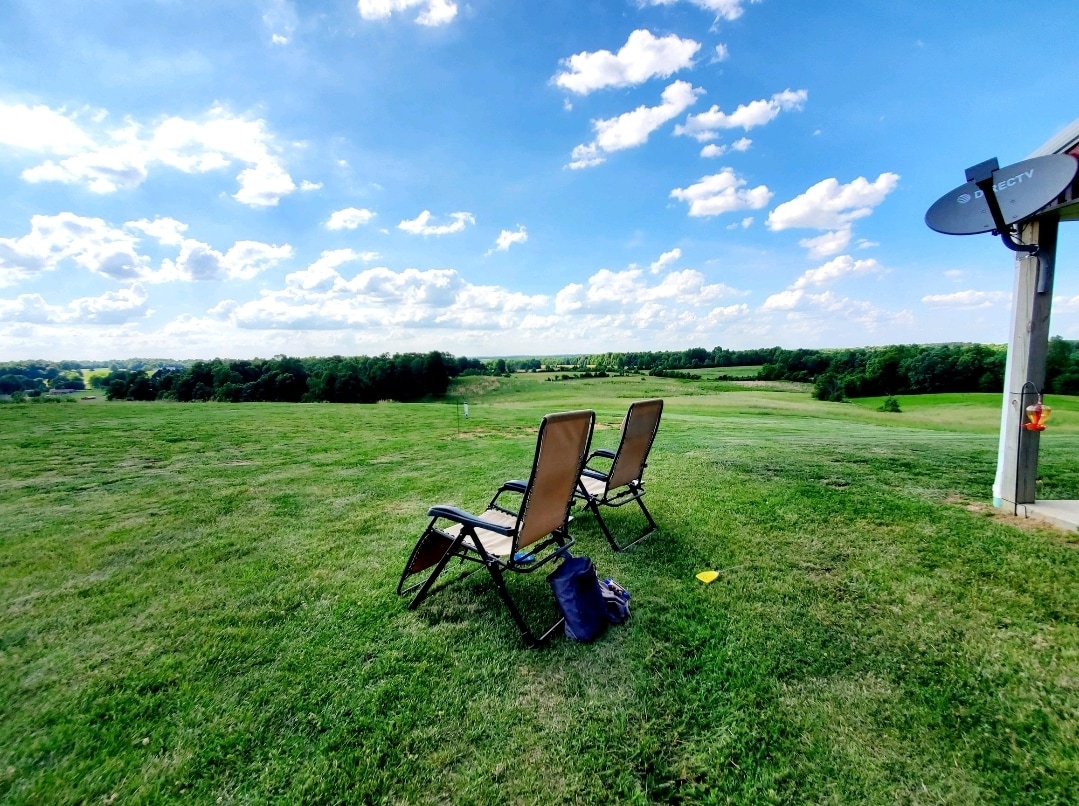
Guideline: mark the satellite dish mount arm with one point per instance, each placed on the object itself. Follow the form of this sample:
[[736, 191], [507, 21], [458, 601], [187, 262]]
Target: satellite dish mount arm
[[983, 175]]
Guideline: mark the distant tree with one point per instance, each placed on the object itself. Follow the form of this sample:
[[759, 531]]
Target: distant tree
[[890, 404]]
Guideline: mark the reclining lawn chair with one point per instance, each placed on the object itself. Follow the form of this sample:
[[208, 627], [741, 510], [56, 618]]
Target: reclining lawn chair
[[503, 539], [622, 483]]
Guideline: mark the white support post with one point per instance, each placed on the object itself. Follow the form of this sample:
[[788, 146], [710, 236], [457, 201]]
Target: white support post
[[1032, 298]]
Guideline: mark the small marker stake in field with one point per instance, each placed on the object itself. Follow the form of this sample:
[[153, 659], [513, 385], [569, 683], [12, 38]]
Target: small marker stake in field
[[708, 577]]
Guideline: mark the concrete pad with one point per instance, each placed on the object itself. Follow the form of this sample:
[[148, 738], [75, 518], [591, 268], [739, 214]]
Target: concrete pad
[[1062, 514]]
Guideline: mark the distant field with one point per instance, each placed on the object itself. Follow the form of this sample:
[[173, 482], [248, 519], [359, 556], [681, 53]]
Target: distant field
[[731, 372], [197, 606]]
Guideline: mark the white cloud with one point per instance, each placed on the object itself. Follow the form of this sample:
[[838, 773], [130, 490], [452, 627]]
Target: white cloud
[[716, 150], [111, 308], [745, 223], [433, 12], [349, 218], [967, 299], [814, 314], [321, 298], [166, 231], [722, 54], [507, 238], [723, 9], [624, 291], [41, 129], [633, 128], [644, 56], [109, 160], [420, 226], [307, 186], [720, 193], [842, 266], [89, 242], [830, 243], [803, 306], [706, 125], [664, 260], [829, 205], [112, 252]]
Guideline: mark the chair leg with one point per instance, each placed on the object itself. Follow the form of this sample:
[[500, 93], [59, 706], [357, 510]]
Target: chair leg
[[425, 588], [592, 505], [526, 633], [652, 527]]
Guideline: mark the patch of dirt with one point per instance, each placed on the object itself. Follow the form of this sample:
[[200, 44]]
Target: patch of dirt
[[1028, 523]]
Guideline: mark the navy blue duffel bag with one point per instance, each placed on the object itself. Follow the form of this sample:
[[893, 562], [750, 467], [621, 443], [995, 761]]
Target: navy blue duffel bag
[[577, 591]]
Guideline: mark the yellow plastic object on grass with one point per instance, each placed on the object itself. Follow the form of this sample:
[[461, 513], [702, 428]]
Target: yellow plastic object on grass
[[708, 576]]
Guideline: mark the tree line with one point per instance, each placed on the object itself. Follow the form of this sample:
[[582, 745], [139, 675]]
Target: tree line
[[916, 369], [403, 377], [836, 374]]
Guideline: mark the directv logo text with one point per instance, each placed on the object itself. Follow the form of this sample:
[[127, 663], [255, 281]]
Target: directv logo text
[[963, 198]]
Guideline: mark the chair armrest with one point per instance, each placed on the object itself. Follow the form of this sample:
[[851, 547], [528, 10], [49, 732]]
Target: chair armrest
[[602, 453], [595, 474], [460, 516], [514, 486]]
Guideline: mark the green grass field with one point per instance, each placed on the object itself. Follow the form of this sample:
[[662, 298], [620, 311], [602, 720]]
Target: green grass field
[[198, 606]]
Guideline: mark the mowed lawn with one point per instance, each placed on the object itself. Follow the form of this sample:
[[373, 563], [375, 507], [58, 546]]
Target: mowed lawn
[[197, 605]]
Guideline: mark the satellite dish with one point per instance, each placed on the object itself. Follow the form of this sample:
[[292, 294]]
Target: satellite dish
[[1020, 189]]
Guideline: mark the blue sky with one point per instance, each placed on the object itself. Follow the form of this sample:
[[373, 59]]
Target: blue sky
[[190, 179]]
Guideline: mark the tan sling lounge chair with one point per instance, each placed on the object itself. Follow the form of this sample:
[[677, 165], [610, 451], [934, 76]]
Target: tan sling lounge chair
[[504, 538], [622, 483]]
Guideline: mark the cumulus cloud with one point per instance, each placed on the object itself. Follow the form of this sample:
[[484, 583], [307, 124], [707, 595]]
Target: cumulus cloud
[[815, 313], [967, 299], [664, 260], [166, 231], [320, 297], [323, 297], [432, 12], [720, 193], [420, 224], [706, 126], [829, 205], [114, 252], [88, 242], [799, 301], [721, 54], [715, 150], [349, 218], [633, 128], [508, 238], [723, 9], [620, 291], [644, 56], [111, 308], [41, 129], [842, 266], [830, 243], [108, 160]]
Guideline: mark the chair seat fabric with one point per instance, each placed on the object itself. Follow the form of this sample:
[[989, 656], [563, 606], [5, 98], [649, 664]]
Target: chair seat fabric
[[493, 543]]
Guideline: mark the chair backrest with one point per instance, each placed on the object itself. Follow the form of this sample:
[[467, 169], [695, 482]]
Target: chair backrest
[[561, 451], [638, 432]]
